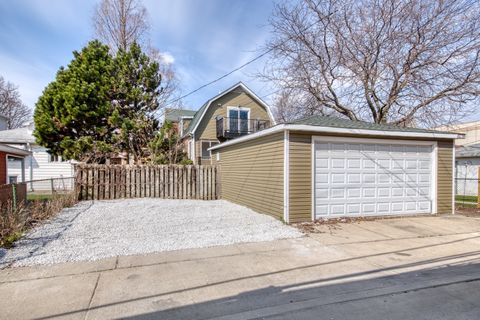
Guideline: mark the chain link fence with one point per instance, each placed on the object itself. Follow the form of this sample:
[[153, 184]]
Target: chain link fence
[[467, 186], [45, 188]]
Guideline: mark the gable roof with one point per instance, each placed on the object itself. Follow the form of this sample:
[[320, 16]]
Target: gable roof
[[321, 124], [18, 135], [201, 112], [175, 114]]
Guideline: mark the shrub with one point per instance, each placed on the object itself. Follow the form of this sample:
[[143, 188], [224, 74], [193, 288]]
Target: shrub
[[14, 222]]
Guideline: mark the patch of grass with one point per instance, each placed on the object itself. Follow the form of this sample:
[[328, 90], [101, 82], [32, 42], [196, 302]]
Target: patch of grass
[[10, 239], [39, 197], [466, 198], [465, 205]]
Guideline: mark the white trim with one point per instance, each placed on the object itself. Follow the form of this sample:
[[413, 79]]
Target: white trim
[[454, 180], [434, 159], [312, 187], [244, 87], [239, 108], [318, 129], [372, 140], [286, 177], [434, 178]]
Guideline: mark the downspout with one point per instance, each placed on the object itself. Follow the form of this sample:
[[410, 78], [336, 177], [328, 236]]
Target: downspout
[[194, 158]]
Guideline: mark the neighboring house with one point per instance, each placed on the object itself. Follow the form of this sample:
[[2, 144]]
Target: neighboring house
[[3, 122], [467, 157], [471, 130], [330, 167], [467, 169], [40, 164], [233, 113], [7, 155]]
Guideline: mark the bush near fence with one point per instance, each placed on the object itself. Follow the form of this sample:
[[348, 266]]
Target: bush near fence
[[18, 213], [98, 182]]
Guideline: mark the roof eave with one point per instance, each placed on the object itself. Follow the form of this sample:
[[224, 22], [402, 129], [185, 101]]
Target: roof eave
[[319, 129]]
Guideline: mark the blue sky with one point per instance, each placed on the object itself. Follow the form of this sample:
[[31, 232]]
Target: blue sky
[[205, 38]]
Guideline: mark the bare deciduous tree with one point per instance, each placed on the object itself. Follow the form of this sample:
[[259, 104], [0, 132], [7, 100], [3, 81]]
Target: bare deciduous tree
[[11, 105], [395, 61], [290, 104], [120, 23]]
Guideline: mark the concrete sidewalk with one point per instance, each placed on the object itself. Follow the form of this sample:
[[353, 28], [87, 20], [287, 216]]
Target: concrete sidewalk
[[406, 268]]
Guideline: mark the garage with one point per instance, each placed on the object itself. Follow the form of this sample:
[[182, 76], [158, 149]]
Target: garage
[[323, 167], [373, 177]]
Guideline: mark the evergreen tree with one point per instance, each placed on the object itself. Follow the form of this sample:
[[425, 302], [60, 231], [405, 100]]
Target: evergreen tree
[[71, 116], [135, 95]]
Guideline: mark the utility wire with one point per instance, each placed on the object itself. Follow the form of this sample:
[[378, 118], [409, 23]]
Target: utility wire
[[222, 77], [234, 70]]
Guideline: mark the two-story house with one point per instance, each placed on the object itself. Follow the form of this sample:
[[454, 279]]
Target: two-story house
[[235, 112]]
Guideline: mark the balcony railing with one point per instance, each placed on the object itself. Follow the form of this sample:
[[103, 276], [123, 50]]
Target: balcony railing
[[229, 128]]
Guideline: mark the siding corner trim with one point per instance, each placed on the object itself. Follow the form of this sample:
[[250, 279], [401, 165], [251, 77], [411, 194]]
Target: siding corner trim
[[286, 172]]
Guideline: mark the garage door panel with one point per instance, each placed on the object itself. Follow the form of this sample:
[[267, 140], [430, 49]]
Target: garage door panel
[[372, 179]]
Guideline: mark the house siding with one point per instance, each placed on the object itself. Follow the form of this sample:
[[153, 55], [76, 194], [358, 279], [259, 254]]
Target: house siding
[[445, 176], [300, 178], [42, 168], [300, 175], [207, 127], [3, 168], [251, 174]]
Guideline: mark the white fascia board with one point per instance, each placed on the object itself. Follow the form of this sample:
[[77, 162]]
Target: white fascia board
[[318, 129]]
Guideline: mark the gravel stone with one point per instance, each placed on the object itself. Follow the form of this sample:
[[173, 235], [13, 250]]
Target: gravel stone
[[101, 229]]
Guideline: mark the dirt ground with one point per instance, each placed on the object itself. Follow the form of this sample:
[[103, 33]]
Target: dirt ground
[[468, 212]]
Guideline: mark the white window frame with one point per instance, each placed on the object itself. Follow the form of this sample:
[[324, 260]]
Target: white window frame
[[434, 159], [239, 108], [59, 158], [209, 146]]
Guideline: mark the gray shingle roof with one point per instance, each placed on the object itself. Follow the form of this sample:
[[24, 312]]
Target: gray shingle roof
[[19, 135], [196, 119], [334, 122], [175, 114], [471, 151]]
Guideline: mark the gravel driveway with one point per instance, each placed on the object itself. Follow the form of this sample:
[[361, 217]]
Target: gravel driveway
[[91, 231]]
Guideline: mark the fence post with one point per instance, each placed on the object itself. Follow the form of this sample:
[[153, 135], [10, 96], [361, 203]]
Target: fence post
[[478, 188], [51, 184], [14, 197]]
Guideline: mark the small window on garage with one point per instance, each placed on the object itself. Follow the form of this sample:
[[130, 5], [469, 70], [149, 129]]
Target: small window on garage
[[205, 146]]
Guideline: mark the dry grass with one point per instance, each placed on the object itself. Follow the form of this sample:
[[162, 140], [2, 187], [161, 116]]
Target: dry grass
[[14, 222]]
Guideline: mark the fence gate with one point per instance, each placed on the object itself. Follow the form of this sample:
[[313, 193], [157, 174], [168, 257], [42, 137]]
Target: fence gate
[[98, 182]]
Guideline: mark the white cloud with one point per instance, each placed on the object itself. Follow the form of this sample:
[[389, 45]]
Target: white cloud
[[167, 58]]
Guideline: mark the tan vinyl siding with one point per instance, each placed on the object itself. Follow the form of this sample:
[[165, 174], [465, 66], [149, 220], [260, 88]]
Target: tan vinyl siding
[[252, 174], [445, 177], [300, 169], [207, 126], [300, 201]]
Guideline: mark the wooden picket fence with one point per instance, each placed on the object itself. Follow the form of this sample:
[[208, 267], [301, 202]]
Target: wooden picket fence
[[99, 182]]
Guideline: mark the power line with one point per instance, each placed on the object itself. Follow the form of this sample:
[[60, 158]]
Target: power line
[[222, 77], [236, 69]]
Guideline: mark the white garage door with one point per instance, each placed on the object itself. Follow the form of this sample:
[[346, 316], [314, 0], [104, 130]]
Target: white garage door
[[372, 177]]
